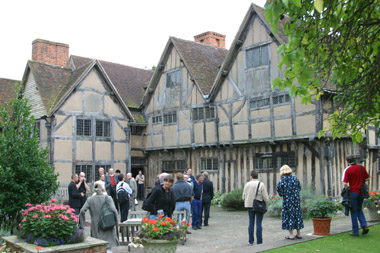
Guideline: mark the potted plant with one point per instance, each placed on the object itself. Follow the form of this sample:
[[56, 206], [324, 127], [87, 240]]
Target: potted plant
[[372, 205], [159, 235], [321, 210]]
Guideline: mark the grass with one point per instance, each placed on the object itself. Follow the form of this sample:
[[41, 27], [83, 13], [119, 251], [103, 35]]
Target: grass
[[339, 243]]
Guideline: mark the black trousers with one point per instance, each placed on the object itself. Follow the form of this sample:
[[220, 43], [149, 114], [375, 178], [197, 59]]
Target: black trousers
[[205, 212], [124, 208], [113, 195], [140, 191]]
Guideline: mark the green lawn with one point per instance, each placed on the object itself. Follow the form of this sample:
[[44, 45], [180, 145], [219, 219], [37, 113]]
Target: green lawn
[[339, 243]]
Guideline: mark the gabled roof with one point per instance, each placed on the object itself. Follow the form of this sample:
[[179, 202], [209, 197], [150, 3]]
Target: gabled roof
[[7, 90], [201, 60], [130, 82], [253, 10]]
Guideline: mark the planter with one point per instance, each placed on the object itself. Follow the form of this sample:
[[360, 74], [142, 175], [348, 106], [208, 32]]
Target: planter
[[321, 226], [159, 246], [90, 244], [373, 214]]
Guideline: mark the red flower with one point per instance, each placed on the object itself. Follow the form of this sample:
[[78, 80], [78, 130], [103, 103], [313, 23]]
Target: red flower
[[160, 216], [187, 224], [38, 248], [183, 221], [164, 223], [168, 219], [329, 199], [373, 195], [155, 229], [145, 219], [1, 247], [171, 227], [152, 222]]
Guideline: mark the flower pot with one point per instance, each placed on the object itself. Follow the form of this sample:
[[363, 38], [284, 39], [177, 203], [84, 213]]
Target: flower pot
[[321, 226], [159, 246], [373, 214]]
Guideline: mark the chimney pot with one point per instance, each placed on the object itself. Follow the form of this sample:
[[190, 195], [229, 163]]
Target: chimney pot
[[211, 38], [54, 53]]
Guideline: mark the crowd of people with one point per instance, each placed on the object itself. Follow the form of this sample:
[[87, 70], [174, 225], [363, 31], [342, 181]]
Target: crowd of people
[[194, 194]]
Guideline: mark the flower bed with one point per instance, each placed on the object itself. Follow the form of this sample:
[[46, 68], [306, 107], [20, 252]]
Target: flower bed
[[50, 224]]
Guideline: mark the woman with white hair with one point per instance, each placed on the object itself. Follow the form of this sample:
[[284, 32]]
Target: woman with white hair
[[289, 189], [95, 204]]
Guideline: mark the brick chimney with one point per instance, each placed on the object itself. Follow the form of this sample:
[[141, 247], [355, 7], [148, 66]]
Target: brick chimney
[[50, 52], [211, 38]]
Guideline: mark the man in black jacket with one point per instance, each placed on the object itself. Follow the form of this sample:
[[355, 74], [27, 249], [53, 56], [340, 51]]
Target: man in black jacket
[[208, 194], [74, 194], [183, 195], [196, 204]]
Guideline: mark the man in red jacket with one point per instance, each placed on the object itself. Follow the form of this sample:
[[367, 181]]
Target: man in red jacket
[[355, 175]]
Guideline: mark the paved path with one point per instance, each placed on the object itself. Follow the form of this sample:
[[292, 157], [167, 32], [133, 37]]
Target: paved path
[[228, 232]]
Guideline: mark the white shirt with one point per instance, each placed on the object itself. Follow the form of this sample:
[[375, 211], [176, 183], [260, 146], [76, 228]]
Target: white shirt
[[125, 186]]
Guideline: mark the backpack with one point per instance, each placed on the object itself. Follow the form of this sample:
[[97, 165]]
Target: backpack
[[122, 195], [107, 219], [145, 205]]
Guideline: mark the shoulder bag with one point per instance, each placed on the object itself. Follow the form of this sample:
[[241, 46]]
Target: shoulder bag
[[364, 187], [259, 206]]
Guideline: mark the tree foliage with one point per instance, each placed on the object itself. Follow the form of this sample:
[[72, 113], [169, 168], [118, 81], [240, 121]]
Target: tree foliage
[[25, 174], [332, 46]]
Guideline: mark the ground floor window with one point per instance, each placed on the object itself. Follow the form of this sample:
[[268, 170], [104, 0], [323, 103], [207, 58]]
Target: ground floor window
[[87, 169], [97, 167], [174, 165], [209, 164], [269, 161]]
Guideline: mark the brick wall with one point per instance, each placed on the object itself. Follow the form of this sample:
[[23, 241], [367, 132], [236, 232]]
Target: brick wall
[[50, 52]]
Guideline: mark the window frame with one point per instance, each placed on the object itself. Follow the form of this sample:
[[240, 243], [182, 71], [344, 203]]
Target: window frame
[[106, 168], [200, 113], [265, 103], [207, 162], [250, 57], [83, 132], [286, 99], [87, 171], [103, 128], [288, 158], [156, 119], [169, 83], [170, 118]]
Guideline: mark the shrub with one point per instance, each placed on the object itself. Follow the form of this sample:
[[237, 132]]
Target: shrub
[[49, 225], [217, 199], [321, 207], [25, 174], [233, 200], [275, 206]]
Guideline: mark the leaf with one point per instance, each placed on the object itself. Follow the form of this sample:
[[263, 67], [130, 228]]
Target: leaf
[[297, 3], [318, 4], [286, 2]]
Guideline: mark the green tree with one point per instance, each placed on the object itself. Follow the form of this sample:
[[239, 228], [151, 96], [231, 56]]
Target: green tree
[[332, 46], [25, 174]]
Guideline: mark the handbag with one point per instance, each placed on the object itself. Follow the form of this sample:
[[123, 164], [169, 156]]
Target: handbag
[[259, 206], [364, 187]]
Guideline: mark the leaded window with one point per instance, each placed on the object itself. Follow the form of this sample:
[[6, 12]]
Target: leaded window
[[102, 128], [156, 119], [281, 99], [257, 56], [174, 79], [87, 169], [84, 127], [207, 112], [257, 103], [209, 164], [97, 167], [170, 118]]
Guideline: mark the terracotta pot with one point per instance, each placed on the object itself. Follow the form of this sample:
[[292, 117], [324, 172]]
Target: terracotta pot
[[159, 246], [321, 226]]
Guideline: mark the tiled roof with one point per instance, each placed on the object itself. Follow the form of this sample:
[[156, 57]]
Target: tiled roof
[[130, 82], [7, 90], [203, 61], [50, 80]]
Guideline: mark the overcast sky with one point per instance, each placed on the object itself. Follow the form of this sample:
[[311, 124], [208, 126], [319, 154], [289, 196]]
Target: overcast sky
[[130, 32]]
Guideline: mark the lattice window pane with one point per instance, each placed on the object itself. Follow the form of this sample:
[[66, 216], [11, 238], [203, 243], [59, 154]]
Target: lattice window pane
[[99, 128], [174, 117], [215, 164], [264, 55], [80, 126], [195, 113], [200, 113], [281, 99], [265, 101], [87, 127], [275, 100], [287, 98], [253, 104]]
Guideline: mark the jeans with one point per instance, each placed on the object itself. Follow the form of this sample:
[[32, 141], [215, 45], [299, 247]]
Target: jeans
[[140, 191], [357, 212], [251, 227], [179, 206], [206, 212], [124, 209], [196, 205]]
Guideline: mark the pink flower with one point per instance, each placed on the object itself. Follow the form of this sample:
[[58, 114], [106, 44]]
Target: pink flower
[[38, 206], [47, 216], [23, 220], [53, 200], [19, 224], [38, 248], [35, 216], [25, 212], [28, 204], [42, 211]]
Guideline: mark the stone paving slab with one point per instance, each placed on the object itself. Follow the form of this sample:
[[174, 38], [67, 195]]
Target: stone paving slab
[[228, 232]]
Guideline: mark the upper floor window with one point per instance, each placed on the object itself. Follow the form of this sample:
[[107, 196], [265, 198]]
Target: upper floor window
[[201, 113], [209, 164], [258, 103], [174, 78], [84, 127], [102, 128], [87, 169], [137, 130], [281, 99], [257, 56], [156, 119], [172, 165], [265, 161], [170, 118]]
